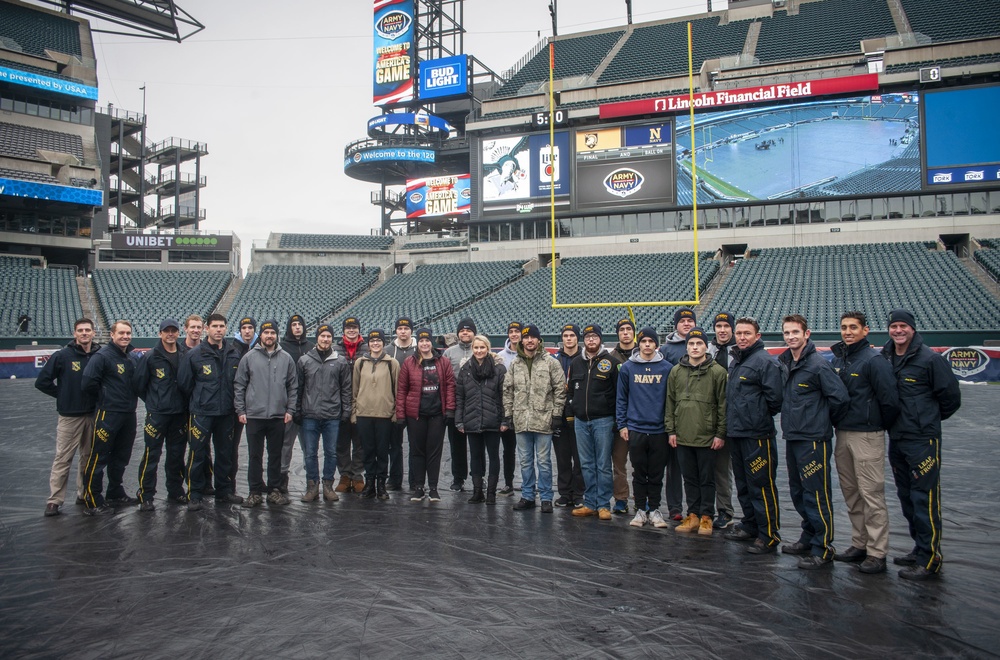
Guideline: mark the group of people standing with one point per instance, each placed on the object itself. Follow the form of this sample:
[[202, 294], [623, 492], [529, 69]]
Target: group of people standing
[[693, 412]]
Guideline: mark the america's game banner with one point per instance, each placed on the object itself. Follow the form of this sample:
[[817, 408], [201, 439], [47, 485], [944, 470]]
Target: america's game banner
[[439, 195], [394, 40]]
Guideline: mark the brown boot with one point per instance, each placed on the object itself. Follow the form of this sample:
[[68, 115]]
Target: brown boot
[[690, 524], [329, 494], [359, 484], [312, 492], [705, 526], [345, 484]]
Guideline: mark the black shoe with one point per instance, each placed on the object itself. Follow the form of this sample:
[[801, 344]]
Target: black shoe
[[491, 497], [195, 505], [417, 495], [51, 510], [577, 503], [547, 506], [761, 547], [523, 504], [563, 501], [722, 521], [906, 560], [872, 565], [368, 492], [81, 502], [208, 491], [380, 491], [458, 485], [797, 548], [123, 501], [852, 554], [283, 484], [812, 562], [178, 499], [229, 498], [147, 506], [920, 573], [477, 497], [433, 495], [393, 487], [103, 510], [739, 534], [506, 491]]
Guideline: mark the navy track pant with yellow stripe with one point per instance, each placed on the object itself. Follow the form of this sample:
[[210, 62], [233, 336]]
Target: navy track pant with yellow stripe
[[158, 430], [755, 466], [916, 468], [809, 485], [205, 431], [114, 435]]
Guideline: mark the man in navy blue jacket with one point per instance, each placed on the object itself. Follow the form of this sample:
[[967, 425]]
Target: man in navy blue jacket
[[860, 447], [109, 376], [815, 400], [928, 394], [166, 417], [206, 376], [62, 378], [642, 395], [754, 393]]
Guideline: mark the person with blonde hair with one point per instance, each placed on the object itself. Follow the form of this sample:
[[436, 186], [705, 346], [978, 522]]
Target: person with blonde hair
[[479, 413]]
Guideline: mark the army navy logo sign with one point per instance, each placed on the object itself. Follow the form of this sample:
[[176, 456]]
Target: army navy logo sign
[[967, 361], [623, 182], [393, 24]]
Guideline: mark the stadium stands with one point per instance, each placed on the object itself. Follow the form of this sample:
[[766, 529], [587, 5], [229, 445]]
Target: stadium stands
[[34, 32], [990, 243], [36, 69], [25, 141], [970, 60], [649, 277], [335, 242], [574, 56], [430, 291], [147, 297], [823, 28], [425, 245], [821, 282], [48, 295], [660, 50], [315, 292], [953, 20], [21, 175]]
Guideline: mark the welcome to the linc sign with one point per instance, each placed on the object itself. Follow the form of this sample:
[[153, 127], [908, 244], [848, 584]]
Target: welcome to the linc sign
[[726, 97]]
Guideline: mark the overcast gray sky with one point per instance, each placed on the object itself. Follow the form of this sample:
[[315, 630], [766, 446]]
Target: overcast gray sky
[[278, 89]]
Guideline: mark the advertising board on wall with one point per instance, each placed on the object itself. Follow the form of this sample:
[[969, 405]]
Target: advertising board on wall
[[962, 137], [519, 172], [133, 241], [447, 77], [437, 196], [394, 40], [622, 165]]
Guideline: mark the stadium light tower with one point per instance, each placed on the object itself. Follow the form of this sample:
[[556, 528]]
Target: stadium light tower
[[554, 11]]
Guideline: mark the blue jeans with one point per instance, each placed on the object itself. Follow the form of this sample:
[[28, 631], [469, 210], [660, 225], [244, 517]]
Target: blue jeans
[[309, 439], [594, 439], [532, 448]]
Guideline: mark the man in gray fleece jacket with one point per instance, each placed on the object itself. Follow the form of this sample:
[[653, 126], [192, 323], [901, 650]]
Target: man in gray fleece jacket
[[266, 391]]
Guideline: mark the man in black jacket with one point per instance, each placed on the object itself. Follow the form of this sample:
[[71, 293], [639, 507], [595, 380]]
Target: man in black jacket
[[206, 376], [402, 347], [928, 394], [570, 478], [722, 343], [296, 344], [166, 417], [860, 447], [815, 400], [62, 378], [109, 376], [754, 393]]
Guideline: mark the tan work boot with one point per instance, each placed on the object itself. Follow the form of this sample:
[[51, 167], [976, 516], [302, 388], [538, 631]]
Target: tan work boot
[[345, 484], [359, 484], [689, 524], [312, 492], [705, 526], [329, 494]]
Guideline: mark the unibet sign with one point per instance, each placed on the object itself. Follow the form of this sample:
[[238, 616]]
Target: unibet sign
[[170, 242]]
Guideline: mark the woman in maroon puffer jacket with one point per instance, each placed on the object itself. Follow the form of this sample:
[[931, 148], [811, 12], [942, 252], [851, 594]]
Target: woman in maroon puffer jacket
[[425, 398]]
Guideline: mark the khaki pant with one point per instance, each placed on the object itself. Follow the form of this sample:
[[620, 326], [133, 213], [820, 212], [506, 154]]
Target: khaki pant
[[860, 457], [71, 433], [724, 480], [619, 457]]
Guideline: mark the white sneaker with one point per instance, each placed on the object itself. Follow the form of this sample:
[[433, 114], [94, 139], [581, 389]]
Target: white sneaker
[[656, 519], [640, 519]]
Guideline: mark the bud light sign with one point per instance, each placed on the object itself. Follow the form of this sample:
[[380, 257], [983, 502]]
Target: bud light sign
[[444, 78]]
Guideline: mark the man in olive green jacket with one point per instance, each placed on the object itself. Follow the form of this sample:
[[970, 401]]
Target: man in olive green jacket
[[534, 395], [695, 421]]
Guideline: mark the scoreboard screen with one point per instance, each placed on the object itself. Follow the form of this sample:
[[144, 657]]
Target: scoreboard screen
[[620, 166]]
